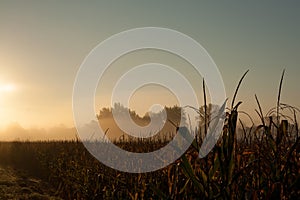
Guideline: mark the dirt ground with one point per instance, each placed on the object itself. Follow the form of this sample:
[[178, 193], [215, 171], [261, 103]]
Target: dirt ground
[[16, 185]]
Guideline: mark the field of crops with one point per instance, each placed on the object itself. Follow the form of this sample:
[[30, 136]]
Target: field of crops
[[258, 162]]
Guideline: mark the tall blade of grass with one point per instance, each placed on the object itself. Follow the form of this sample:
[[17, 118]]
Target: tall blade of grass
[[232, 143], [205, 108], [279, 136], [278, 97], [236, 90], [260, 113], [205, 132], [296, 125]]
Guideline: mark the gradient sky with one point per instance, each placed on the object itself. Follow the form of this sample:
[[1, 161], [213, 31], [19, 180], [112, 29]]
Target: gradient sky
[[43, 43]]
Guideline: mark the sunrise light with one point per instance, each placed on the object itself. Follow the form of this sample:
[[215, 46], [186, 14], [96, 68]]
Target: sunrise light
[[7, 87]]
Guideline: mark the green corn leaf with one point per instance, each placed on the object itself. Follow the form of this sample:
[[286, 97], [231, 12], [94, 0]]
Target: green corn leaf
[[185, 185], [214, 167], [185, 165]]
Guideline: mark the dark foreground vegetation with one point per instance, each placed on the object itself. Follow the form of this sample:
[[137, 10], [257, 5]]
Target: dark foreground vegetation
[[259, 162]]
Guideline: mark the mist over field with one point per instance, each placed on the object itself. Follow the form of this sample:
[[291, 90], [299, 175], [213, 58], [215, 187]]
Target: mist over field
[[15, 132]]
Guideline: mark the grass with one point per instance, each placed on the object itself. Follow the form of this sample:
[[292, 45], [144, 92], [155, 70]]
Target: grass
[[262, 163]]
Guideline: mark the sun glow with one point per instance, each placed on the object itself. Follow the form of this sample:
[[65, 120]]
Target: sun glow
[[7, 88]]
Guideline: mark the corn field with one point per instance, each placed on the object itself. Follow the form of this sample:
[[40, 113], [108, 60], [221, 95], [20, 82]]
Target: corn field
[[257, 162]]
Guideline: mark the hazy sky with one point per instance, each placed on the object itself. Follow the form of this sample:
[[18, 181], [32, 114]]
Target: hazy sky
[[43, 43]]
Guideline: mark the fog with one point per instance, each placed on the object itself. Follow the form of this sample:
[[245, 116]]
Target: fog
[[15, 132]]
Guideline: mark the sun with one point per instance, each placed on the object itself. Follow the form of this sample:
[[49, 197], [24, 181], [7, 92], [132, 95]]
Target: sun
[[7, 87]]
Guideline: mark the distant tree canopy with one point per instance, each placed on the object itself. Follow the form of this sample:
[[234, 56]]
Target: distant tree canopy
[[174, 114]]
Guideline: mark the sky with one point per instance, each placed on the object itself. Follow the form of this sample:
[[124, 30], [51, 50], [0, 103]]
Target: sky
[[43, 44]]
